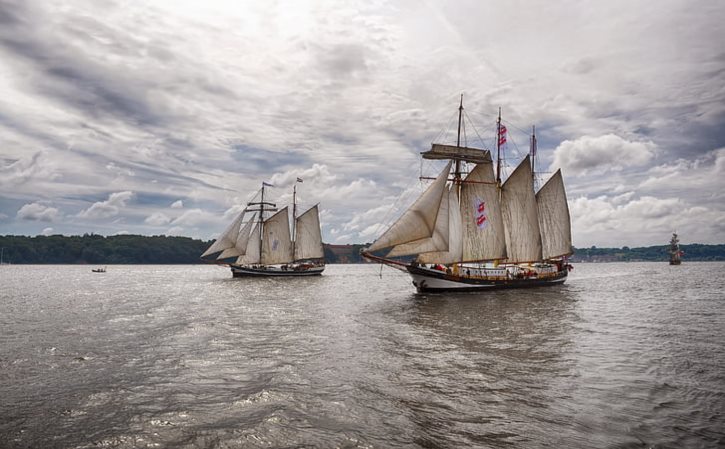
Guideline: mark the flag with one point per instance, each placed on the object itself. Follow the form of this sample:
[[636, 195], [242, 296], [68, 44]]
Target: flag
[[299, 179], [502, 135], [267, 184], [481, 213]]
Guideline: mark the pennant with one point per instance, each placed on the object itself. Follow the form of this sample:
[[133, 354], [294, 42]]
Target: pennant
[[299, 179]]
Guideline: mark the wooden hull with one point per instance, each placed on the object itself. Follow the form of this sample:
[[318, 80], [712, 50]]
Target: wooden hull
[[273, 271], [429, 280]]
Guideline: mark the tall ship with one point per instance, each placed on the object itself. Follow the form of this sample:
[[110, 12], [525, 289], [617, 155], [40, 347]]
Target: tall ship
[[472, 231], [259, 241], [675, 251]]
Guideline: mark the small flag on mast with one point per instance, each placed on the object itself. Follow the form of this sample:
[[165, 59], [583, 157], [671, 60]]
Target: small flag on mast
[[299, 179], [267, 184]]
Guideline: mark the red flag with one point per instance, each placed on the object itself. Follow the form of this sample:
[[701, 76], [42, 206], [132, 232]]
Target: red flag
[[502, 135]]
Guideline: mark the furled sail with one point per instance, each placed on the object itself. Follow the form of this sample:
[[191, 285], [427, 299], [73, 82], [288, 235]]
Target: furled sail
[[227, 239], [276, 242], [520, 217], [240, 246], [483, 227], [251, 255], [418, 222], [308, 238], [455, 235], [554, 220], [436, 242]]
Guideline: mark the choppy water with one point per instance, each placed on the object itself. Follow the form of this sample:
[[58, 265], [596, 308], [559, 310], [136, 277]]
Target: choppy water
[[623, 355]]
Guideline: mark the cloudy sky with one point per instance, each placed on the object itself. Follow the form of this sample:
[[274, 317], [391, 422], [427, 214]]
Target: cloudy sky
[[163, 116]]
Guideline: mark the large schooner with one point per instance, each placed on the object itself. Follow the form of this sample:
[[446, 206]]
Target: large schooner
[[469, 231], [263, 245]]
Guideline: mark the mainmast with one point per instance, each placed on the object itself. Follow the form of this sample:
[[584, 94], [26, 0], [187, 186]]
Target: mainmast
[[457, 175], [294, 218], [533, 155], [498, 148]]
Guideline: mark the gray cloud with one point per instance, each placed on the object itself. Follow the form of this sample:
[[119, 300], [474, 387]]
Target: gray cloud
[[200, 102]]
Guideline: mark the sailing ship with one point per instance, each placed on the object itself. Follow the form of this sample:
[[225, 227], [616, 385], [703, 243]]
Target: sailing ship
[[469, 231], [675, 252], [259, 243]]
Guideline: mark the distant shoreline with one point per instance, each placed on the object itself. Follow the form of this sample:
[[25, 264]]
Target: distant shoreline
[[92, 249]]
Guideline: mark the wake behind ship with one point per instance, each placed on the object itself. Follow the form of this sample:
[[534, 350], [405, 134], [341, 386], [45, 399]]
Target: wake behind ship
[[468, 231]]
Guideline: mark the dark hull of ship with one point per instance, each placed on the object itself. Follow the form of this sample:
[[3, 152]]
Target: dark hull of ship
[[675, 262], [272, 271], [430, 280]]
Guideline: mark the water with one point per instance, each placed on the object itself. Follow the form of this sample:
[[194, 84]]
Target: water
[[622, 355]]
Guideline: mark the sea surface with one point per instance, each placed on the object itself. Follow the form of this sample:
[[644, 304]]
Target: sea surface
[[623, 355]]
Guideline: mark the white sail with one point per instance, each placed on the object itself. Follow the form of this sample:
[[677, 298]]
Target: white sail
[[308, 238], [437, 242], [227, 239], [455, 235], [418, 222], [483, 228], [276, 242], [240, 245], [554, 220], [520, 217], [251, 254]]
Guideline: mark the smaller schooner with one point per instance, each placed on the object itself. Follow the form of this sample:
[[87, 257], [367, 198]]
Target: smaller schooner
[[469, 231], [675, 251], [263, 245]]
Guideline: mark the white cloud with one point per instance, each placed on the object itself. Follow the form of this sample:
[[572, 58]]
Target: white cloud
[[157, 219], [39, 212], [178, 204], [194, 217], [607, 152], [47, 231], [109, 208], [123, 232], [175, 230]]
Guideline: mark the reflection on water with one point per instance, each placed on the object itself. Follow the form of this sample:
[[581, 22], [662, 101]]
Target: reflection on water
[[622, 355]]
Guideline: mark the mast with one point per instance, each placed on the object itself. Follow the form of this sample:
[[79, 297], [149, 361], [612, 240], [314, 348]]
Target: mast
[[261, 222], [294, 217], [457, 175], [533, 155], [498, 148]]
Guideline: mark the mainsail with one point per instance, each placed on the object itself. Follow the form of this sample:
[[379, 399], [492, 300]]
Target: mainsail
[[276, 242], [481, 214], [308, 238], [554, 218], [227, 239], [519, 210], [418, 222]]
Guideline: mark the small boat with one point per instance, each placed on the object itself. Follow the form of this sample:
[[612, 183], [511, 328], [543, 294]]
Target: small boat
[[99, 270], [469, 231], [675, 251], [258, 243]]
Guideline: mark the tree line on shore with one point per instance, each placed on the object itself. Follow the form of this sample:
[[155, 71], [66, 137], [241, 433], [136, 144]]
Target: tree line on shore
[[160, 249]]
